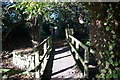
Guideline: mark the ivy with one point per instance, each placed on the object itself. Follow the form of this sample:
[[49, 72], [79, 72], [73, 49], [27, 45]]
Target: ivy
[[107, 28], [108, 47]]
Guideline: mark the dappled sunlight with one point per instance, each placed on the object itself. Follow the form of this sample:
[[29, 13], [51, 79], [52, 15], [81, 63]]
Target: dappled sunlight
[[63, 62], [60, 48], [63, 56], [64, 65], [60, 40]]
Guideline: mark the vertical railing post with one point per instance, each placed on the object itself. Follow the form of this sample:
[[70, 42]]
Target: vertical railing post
[[37, 71], [50, 42], [66, 32], [70, 32], [86, 60], [86, 55], [45, 48], [77, 47], [72, 41], [44, 60], [41, 58], [85, 70]]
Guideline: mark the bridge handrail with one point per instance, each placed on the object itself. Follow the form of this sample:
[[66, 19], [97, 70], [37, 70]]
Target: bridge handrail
[[41, 55], [78, 42], [40, 45], [73, 41]]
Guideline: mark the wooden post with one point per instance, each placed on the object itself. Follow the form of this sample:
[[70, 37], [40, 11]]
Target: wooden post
[[50, 42], [43, 63], [85, 70], [86, 56], [77, 47], [71, 32], [45, 59], [37, 71], [72, 41], [66, 32], [86, 61], [45, 48]]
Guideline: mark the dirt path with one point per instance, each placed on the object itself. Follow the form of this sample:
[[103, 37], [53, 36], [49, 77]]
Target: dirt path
[[61, 65]]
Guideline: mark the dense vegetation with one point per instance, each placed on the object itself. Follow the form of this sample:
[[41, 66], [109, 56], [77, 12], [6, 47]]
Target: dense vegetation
[[105, 37], [98, 23]]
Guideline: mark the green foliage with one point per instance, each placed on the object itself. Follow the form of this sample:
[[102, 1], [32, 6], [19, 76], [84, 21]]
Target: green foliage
[[107, 28], [4, 70], [88, 43], [105, 37], [104, 33], [8, 72], [5, 77]]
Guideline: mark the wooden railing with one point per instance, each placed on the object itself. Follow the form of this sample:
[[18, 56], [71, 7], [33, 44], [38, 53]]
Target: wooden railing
[[41, 56], [75, 46]]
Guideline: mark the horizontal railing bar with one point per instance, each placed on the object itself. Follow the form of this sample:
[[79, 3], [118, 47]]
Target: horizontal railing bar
[[42, 58], [46, 52], [78, 42], [81, 60], [40, 45], [73, 41]]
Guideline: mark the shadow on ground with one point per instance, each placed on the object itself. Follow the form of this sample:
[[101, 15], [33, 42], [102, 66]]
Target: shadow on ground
[[60, 65]]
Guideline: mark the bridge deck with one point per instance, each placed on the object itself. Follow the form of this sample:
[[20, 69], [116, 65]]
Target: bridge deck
[[61, 65]]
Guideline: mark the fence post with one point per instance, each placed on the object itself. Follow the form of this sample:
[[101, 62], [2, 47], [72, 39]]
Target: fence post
[[50, 42], [37, 71], [77, 47], [85, 70], [66, 32], [44, 60], [86, 55], [70, 31], [86, 61], [72, 41]]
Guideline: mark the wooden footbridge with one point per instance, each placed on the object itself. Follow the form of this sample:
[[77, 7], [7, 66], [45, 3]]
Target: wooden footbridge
[[53, 62]]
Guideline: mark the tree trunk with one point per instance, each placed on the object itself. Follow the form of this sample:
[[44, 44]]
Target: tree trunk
[[36, 28]]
